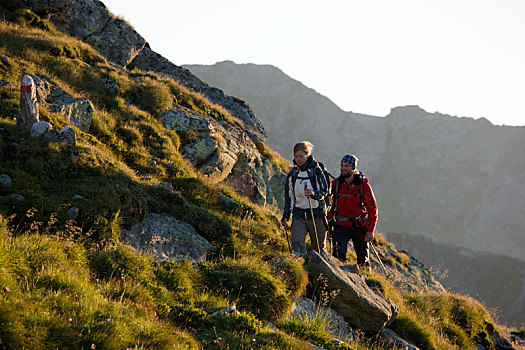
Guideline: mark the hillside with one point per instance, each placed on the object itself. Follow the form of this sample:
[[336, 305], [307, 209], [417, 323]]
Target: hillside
[[458, 179], [496, 279], [139, 212]]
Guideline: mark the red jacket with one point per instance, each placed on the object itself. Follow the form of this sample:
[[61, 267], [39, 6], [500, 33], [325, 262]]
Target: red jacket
[[350, 207]]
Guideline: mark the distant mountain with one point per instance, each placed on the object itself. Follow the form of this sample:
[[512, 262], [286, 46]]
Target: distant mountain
[[459, 180]]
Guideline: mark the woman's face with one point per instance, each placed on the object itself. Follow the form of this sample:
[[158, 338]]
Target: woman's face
[[300, 157]]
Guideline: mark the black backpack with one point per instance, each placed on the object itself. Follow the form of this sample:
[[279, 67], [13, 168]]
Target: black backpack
[[311, 177]]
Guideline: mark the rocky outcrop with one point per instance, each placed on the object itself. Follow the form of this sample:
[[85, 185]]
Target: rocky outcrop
[[167, 238], [90, 21], [224, 153], [355, 301], [149, 60], [78, 111]]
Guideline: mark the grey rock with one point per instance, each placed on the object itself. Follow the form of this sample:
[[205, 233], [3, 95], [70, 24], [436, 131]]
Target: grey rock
[[40, 128], [393, 340], [200, 150], [356, 302], [5, 62], [15, 197], [118, 42], [229, 310], [153, 163], [77, 110], [72, 213], [354, 268], [228, 202], [167, 238], [68, 135], [28, 109], [166, 185], [52, 135], [5, 181], [110, 85], [307, 310], [181, 120], [79, 197], [218, 166], [500, 342]]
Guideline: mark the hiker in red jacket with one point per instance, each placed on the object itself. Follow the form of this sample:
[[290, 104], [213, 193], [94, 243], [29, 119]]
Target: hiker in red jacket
[[353, 212]]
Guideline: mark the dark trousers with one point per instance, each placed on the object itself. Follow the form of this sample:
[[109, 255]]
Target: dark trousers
[[342, 235]]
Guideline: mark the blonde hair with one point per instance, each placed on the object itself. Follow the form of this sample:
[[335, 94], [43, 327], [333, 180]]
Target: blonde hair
[[305, 146]]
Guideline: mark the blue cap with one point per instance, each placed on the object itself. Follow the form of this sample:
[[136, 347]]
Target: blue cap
[[351, 160]]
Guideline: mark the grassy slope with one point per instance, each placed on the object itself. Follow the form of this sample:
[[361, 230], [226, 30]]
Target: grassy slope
[[65, 284]]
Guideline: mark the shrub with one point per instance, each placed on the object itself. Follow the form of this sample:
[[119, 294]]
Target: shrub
[[121, 262], [293, 274], [151, 95], [178, 278], [403, 258], [251, 286], [409, 327]]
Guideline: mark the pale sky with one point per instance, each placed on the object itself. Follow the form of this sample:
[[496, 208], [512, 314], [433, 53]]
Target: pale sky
[[456, 57]]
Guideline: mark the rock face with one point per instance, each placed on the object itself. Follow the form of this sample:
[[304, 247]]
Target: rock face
[[167, 238], [355, 301], [458, 179], [90, 21], [148, 59], [225, 153]]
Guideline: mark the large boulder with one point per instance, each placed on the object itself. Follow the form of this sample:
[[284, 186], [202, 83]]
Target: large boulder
[[355, 301], [90, 21], [78, 111], [167, 238]]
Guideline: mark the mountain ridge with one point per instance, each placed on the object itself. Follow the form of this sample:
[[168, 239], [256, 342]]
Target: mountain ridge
[[419, 149]]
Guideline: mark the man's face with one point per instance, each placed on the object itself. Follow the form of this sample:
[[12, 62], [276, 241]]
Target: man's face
[[346, 169]]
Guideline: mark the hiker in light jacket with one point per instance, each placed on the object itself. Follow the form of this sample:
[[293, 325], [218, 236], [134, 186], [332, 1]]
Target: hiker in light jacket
[[353, 212], [305, 185]]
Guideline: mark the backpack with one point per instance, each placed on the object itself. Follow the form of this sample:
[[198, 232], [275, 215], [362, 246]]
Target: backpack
[[359, 194], [311, 177]]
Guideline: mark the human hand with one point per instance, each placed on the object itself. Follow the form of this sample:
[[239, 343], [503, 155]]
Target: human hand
[[369, 237], [308, 191]]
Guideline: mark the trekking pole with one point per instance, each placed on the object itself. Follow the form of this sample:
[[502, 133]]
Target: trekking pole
[[287, 238], [379, 259], [313, 221]]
